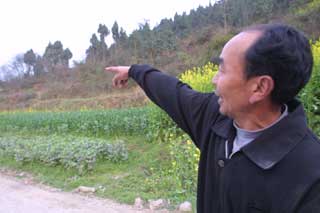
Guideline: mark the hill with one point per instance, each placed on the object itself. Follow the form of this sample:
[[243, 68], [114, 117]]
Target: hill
[[48, 83]]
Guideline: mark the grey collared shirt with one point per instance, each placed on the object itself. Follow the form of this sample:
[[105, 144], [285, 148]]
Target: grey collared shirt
[[244, 137]]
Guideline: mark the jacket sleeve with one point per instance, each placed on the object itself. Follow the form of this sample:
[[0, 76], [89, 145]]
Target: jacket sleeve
[[311, 201], [192, 111]]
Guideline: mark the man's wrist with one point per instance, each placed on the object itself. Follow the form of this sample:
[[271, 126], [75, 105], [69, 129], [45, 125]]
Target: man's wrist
[[131, 70]]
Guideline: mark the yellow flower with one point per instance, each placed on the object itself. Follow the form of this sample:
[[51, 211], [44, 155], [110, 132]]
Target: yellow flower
[[199, 78]]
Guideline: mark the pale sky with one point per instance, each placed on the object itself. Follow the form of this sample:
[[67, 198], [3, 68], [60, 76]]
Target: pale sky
[[27, 24]]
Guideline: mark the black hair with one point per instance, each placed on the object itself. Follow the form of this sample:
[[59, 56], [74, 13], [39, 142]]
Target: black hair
[[283, 53]]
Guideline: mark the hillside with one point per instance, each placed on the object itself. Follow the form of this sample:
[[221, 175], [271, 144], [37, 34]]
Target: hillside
[[174, 45]]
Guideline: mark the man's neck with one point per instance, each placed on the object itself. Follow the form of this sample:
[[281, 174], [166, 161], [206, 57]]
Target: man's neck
[[259, 117]]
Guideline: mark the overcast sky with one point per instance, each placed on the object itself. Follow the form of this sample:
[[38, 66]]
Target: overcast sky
[[27, 24]]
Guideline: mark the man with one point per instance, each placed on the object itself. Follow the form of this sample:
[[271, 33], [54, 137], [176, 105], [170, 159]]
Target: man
[[257, 153]]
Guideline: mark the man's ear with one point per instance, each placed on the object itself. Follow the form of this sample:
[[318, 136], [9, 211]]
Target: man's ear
[[262, 87]]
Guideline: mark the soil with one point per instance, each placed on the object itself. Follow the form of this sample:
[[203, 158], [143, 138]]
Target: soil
[[20, 194]]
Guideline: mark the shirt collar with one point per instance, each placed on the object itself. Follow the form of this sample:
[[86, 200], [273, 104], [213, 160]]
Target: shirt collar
[[253, 133], [275, 142]]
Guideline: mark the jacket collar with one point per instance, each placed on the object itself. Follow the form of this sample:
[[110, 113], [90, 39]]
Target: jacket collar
[[275, 142]]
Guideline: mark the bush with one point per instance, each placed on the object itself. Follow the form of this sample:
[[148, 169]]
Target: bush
[[310, 95], [71, 152]]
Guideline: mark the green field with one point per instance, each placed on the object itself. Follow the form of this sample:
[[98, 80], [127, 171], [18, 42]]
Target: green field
[[108, 150], [124, 153]]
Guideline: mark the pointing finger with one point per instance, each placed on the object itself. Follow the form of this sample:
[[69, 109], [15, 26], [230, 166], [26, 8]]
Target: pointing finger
[[112, 69]]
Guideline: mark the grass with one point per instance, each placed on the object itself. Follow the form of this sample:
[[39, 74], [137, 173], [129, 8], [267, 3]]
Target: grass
[[121, 181], [92, 122]]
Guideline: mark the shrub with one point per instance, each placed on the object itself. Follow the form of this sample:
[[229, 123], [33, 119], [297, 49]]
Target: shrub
[[71, 152], [310, 95]]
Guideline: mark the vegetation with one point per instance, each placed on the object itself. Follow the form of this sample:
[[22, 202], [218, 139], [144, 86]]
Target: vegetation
[[76, 141], [71, 152], [310, 95], [122, 181], [168, 170], [183, 154], [114, 122], [128, 152], [185, 41]]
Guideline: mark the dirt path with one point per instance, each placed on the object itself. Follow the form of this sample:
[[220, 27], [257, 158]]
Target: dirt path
[[23, 196]]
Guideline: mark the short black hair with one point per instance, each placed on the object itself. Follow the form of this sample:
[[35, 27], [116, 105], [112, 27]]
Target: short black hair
[[283, 53]]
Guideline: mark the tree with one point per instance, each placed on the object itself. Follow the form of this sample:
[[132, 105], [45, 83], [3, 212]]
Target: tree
[[38, 67], [103, 31], [123, 36], [92, 51], [52, 54], [216, 15], [98, 50], [103, 48], [29, 58], [55, 56], [15, 69], [134, 43], [225, 21], [115, 32], [66, 56], [94, 41], [6, 73], [181, 24]]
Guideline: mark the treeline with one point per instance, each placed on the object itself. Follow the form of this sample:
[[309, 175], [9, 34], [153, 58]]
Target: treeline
[[156, 45], [32, 64], [160, 45]]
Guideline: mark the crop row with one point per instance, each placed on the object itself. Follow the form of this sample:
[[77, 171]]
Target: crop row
[[115, 122], [80, 153]]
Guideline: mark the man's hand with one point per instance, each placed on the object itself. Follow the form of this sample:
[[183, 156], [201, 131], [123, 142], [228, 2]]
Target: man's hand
[[121, 77]]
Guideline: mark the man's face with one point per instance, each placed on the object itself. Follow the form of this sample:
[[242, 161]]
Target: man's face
[[232, 87]]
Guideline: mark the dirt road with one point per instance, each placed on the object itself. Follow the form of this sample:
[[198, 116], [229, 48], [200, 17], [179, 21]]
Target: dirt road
[[21, 196]]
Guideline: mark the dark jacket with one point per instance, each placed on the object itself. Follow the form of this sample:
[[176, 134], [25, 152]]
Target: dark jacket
[[277, 172]]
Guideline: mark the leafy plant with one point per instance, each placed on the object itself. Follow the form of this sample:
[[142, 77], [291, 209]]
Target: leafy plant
[[72, 152], [310, 95], [115, 122]]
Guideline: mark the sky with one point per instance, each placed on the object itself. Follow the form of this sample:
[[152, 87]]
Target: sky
[[32, 24]]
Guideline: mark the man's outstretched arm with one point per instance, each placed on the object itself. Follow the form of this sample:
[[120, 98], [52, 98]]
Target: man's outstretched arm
[[191, 110]]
